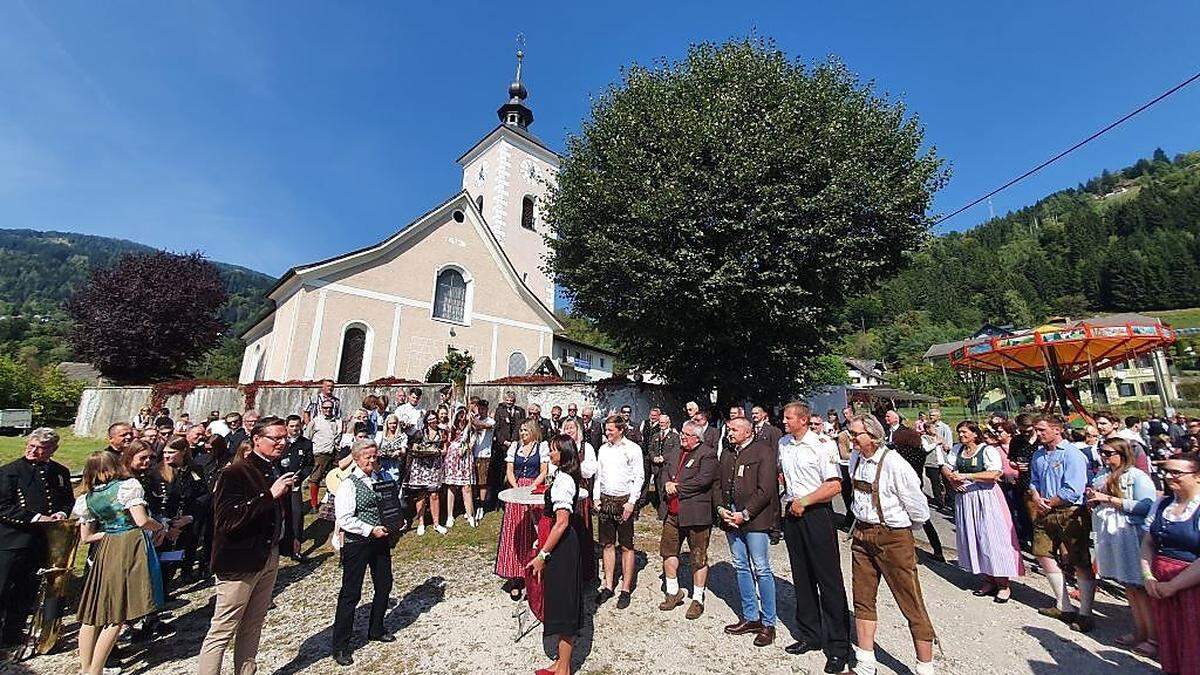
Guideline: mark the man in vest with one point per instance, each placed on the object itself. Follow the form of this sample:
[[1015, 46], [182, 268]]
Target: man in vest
[[359, 510]]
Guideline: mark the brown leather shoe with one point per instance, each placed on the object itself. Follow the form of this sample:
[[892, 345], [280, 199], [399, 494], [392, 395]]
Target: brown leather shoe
[[765, 637], [743, 627], [695, 610], [672, 601]]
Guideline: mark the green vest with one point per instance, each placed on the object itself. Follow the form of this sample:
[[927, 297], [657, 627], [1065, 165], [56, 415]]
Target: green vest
[[366, 502], [970, 465]]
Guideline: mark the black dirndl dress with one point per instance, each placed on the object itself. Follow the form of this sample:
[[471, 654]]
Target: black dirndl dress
[[562, 577]]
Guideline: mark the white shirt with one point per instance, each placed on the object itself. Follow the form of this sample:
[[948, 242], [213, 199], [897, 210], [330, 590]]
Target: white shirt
[[900, 496], [408, 414], [944, 433], [620, 471], [587, 467], [807, 463], [219, 427], [129, 494], [483, 439], [991, 458], [542, 448], [562, 492], [344, 504]]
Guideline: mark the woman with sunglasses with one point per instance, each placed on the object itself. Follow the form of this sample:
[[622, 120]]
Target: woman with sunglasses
[[1169, 567], [1120, 497]]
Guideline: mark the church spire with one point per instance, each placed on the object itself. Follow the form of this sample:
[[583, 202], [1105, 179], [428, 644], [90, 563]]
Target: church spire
[[515, 112]]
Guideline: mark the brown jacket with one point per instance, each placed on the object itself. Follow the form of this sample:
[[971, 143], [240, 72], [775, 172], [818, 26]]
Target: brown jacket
[[750, 479], [246, 519], [696, 481]]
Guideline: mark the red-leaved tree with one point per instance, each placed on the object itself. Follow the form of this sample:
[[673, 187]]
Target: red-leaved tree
[[147, 315]]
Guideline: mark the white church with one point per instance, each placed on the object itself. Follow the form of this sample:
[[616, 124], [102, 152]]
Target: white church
[[465, 274]]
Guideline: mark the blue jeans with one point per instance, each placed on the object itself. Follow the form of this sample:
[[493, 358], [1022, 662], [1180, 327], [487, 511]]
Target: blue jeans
[[752, 564]]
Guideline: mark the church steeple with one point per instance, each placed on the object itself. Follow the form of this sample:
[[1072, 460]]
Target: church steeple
[[515, 112]]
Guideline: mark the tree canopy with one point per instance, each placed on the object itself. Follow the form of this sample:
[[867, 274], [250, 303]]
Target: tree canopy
[[714, 214], [147, 315]]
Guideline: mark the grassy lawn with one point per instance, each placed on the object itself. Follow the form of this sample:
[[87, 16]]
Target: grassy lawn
[[1179, 318], [72, 450]]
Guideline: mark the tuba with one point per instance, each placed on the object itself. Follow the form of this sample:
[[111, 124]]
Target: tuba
[[62, 539]]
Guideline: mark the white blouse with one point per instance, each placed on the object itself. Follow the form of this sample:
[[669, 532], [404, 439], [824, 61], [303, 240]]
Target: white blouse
[[129, 495], [991, 457], [543, 452], [562, 492]]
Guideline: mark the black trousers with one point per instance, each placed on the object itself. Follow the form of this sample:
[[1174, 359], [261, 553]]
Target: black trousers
[[847, 494], [18, 590], [937, 485], [357, 556], [821, 609]]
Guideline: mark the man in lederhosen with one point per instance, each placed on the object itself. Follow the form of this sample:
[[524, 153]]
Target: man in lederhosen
[[365, 504], [33, 489]]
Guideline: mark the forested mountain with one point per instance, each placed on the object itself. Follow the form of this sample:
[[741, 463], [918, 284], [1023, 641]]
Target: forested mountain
[[1123, 241], [38, 271]]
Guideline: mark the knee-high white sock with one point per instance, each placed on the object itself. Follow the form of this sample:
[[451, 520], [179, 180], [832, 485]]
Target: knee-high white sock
[[1087, 593], [672, 585], [1058, 589], [925, 668], [866, 661], [698, 594]]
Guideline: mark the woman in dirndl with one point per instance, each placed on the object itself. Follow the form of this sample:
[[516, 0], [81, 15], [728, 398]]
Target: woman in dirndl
[[557, 564], [587, 470], [391, 442], [1120, 496], [459, 468], [526, 464], [124, 582], [984, 533], [1169, 565], [426, 469]]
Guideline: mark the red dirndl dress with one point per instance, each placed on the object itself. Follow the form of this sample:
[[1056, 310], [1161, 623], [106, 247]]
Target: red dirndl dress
[[1175, 619]]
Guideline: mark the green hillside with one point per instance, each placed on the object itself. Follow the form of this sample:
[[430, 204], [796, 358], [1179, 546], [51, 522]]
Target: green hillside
[[1123, 241], [39, 270]]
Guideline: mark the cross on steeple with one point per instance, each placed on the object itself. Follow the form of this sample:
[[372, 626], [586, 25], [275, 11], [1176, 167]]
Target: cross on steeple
[[515, 112]]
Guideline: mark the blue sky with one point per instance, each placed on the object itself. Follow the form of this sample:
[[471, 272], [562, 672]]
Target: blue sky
[[270, 134]]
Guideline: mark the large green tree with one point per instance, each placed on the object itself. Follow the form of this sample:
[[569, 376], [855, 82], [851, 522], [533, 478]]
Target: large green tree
[[715, 213]]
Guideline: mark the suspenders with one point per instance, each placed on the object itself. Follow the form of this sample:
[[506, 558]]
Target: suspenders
[[871, 488]]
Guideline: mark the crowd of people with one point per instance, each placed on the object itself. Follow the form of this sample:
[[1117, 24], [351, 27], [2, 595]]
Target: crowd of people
[[171, 502]]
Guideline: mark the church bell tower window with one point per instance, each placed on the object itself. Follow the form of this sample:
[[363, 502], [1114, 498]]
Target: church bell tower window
[[527, 212]]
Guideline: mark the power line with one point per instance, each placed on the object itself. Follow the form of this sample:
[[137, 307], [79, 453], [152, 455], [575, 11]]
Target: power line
[[1073, 148]]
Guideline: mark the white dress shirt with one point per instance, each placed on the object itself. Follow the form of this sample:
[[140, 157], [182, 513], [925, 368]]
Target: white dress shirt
[[562, 493], [344, 503], [900, 496], [620, 471], [807, 463]]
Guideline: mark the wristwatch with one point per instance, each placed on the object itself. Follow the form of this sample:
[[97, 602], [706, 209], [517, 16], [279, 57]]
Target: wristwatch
[[544, 555]]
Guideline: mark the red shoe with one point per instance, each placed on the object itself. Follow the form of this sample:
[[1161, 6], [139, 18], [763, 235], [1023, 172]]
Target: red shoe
[[544, 671]]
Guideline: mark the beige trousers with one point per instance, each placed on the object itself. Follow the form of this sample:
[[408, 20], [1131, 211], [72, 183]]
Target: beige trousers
[[242, 603]]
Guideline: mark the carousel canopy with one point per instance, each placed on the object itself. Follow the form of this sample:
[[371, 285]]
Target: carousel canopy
[[1071, 349]]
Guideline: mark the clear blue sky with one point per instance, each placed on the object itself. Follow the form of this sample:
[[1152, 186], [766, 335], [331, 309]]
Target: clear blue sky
[[272, 134]]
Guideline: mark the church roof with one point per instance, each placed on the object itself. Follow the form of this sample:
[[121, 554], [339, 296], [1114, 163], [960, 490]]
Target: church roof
[[500, 129], [416, 229]]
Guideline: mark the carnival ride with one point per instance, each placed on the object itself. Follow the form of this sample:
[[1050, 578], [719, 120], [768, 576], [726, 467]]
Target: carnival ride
[[1063, 353]]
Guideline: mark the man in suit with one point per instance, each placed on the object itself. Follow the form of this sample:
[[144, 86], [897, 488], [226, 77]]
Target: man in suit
[[298, 458], [235, 439], [649, 426], [535, 414], [250, 507], [687, 483], [33, 489], [593, 430], [661, 440], [763, 429], [708, 432], [749, 510]]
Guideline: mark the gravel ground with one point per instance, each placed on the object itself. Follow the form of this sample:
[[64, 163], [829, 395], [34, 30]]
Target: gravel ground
[[451, 617]]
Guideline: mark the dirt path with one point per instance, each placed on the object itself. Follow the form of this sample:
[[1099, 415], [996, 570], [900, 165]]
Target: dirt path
[[452, 618]]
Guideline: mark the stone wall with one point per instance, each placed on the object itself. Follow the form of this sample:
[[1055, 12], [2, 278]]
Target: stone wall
[[101, 406]]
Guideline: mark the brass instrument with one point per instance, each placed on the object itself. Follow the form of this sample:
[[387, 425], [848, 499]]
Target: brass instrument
[[62, 539]]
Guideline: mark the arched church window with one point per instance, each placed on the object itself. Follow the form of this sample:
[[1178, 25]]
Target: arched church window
[[517, 364], [479, 203], [527, 212], [450, 297], [354, 343]]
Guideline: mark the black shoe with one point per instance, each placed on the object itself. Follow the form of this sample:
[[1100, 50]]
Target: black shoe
[[623, 600], [342, 658], [386, 637], [604, 596], [801, 647], [839, 664]]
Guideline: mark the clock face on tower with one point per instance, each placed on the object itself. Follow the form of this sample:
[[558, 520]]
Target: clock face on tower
[[529, 169]]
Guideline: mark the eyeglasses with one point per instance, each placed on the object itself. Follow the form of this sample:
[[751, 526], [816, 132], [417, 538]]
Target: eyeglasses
[[1176, 473], [275, 439], [1109, 453]]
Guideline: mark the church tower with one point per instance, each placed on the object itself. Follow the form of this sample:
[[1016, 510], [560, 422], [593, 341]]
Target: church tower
[[507, 173]]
